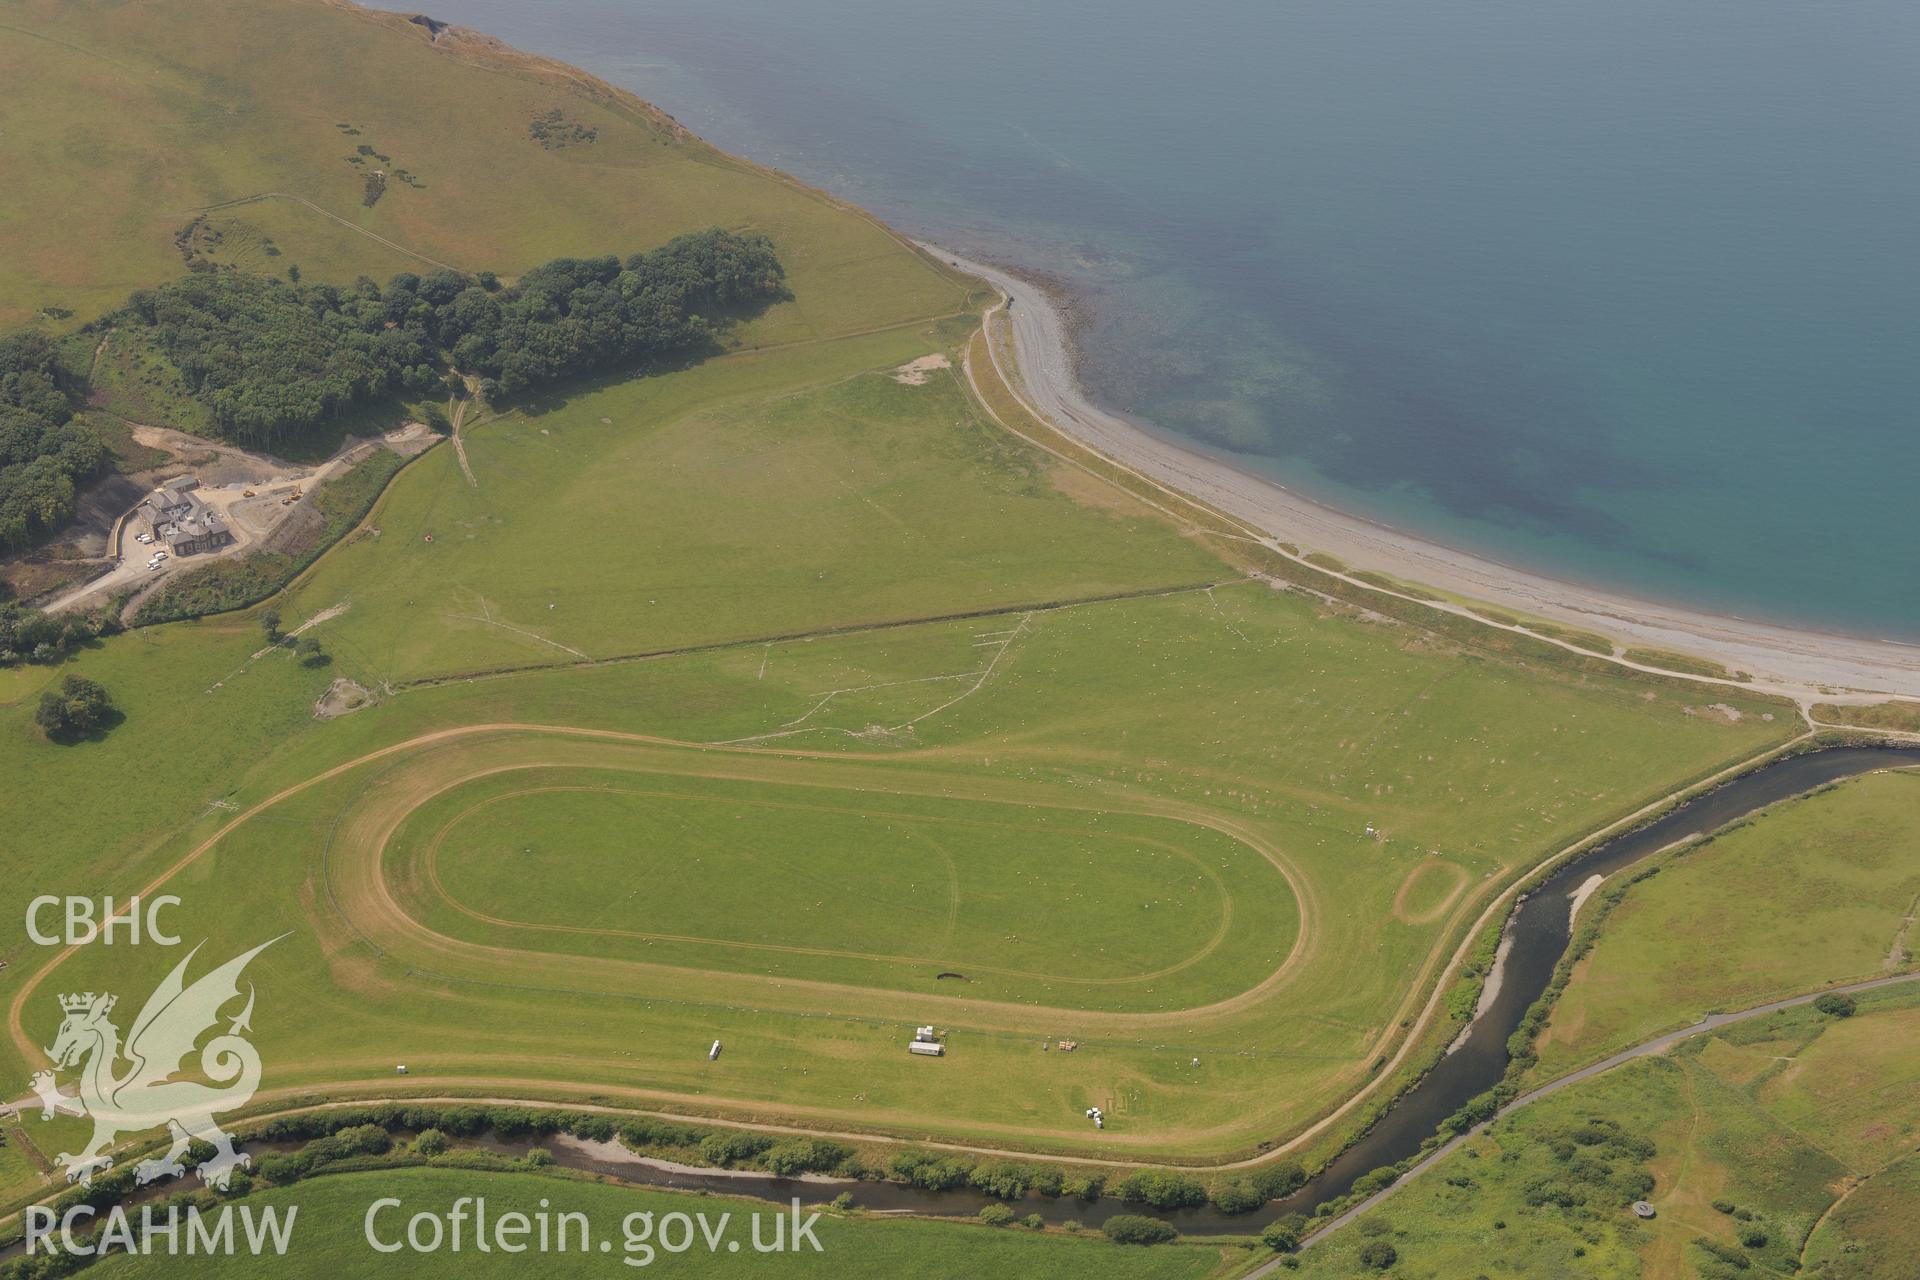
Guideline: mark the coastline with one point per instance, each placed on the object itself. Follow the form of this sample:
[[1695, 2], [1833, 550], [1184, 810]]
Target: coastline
[[1799, 663]]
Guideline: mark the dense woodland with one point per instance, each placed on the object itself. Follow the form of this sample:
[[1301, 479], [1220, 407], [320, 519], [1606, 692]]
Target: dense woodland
[[44, 454], [28, 635], [271, 359]]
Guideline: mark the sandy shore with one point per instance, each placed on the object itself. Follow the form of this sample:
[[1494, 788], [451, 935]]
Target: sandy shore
[[1803, 664]]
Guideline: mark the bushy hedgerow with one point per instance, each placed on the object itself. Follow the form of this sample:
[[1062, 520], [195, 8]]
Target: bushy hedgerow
[[1133, 1228]]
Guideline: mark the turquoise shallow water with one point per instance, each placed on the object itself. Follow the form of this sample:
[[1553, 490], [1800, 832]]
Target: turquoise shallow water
[[1626, 292]]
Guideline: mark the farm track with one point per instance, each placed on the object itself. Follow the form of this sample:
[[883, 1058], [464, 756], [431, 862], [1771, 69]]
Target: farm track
[[328, 214]]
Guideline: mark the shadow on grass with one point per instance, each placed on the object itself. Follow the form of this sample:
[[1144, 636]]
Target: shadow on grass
[[110, 720]]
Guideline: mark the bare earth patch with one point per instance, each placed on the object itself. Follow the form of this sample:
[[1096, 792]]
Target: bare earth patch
[[343, 697], [914, 373]]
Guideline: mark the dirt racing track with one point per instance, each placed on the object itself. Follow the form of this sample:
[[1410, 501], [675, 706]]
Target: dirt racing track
[[373, 889], [357, 895], [376, 883]]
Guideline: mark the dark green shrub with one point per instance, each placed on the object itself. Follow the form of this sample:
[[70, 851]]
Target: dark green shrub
[[1836, 1004], [1006, 1179], [1133, 1228], [78, 708], [1236, 1197], [1083, 1186], [1282, 1236], [727, 1147], [1160, 1189], [1378, 1254], [1277, 1180], [796, 1156]]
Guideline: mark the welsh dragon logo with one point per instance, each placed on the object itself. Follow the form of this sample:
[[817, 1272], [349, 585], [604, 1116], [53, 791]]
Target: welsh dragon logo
[[145, 1095]]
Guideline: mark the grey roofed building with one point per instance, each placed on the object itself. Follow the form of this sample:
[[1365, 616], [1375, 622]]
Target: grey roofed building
[[182, 523]]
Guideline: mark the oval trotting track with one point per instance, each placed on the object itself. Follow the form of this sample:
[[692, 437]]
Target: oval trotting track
[[359, 881], [394, 780]]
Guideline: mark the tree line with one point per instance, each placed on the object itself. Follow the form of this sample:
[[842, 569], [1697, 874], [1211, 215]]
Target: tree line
[[272, 358], [44, 453]]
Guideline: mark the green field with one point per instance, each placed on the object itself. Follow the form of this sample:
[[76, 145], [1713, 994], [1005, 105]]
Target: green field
[[1242, 709], [756, 496], [1873, 1232], [857, 887], [1816, 891], [330, 1238], [1759, 1128]]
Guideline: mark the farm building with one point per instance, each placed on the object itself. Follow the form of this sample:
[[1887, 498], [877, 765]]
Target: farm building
[[181, 522], [926, 1048]]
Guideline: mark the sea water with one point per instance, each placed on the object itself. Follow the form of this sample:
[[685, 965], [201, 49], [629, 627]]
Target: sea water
[[1624, 292]]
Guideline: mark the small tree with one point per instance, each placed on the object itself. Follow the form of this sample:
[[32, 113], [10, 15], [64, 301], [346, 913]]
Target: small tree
[[79, 707], [1378, 1254], [1282, 1236], [270, 626], [1236, 1197], [1161, 1189], [309, 651], [1835, 1004], [431, 1142], [996, 1215]]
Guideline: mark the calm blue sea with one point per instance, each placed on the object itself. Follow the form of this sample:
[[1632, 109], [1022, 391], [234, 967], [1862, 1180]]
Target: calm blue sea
[[1629, 291]]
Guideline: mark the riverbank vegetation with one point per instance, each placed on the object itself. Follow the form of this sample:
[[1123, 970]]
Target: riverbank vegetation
[[331, 1238], [1818, 890], [1754, 1132], [1903, 717]]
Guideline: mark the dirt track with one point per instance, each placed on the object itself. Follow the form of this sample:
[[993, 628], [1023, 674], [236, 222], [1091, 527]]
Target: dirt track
[[427, 765], [367, 905]]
